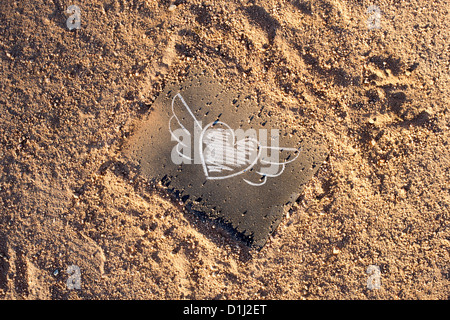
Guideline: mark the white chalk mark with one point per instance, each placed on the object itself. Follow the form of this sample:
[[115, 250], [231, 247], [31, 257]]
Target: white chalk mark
[[256, 184], [223, 156]]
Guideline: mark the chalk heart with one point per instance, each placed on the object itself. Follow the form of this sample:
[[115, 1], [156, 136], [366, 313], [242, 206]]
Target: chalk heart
[[223, 155]]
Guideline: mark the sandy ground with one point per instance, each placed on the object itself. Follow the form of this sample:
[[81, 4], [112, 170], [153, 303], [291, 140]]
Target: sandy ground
[[69, 100]]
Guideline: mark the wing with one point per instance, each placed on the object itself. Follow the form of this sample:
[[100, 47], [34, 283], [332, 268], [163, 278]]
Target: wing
[[182, 121], [272, 165]]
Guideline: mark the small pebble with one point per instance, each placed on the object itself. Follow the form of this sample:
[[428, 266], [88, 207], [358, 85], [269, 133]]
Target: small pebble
[[172, 7]]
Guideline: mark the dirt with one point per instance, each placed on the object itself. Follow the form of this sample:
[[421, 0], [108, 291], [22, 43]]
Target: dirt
[[70, 100]]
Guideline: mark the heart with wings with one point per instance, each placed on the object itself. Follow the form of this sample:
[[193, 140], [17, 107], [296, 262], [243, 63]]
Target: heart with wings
[[225, 153]]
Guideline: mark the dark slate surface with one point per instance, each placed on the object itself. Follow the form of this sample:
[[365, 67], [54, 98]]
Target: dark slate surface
[[249, 212]]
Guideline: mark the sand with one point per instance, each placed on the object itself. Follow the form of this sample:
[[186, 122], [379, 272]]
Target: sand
[[69, 100]]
